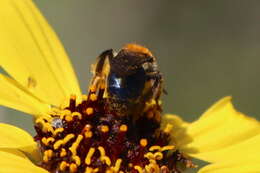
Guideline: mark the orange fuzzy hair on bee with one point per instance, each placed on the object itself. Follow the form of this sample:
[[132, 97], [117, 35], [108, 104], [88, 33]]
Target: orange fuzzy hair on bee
[[138, 49]]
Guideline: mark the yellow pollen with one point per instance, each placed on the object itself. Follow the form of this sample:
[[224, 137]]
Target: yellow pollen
[[168, 128], [93, 97], [60, 142], [88, 134], [74, 146], [154, 148], [73, 168], [89, 111], [91, 170], [63, 152], [149, 155], [44, 141], [106, 160], [168, 147], [89, 155], [63, 165], [77, 160], [68, 118], [117, 165], [143, 142], [47, 155], [123, 128], [58, 130], [102, 151], [104, 128], [93, 88], [77, 114], [103, 156], [152, 167], [138, 168], [158, 156]]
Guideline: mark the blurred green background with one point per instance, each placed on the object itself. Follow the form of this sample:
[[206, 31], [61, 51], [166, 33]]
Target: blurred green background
[[205, 49]]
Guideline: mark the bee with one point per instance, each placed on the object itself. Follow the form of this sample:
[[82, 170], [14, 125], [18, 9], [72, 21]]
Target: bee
[[130, 82]]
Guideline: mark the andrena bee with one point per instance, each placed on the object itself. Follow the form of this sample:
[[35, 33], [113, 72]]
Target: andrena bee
[[131, 81]]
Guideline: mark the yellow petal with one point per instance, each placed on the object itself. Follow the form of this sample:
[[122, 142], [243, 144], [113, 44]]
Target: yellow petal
[[220, 134], [11, 162], [15, 96], [232, 167], [16, 138], [32, 54]]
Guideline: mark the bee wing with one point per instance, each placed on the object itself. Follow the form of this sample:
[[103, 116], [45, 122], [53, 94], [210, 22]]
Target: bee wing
[[100, 71]]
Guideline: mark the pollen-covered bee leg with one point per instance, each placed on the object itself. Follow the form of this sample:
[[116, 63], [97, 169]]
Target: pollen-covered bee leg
[[100, 71]]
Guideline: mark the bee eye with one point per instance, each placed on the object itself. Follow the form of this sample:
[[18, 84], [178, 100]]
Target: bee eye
[[126, 87]]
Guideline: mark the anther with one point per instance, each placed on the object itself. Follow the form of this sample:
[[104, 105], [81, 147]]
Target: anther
[[77, 114], [63, 152], [60, 142], [47, 155], [102, 151], [158, 156], [104, 128], [63, 165], [117, 165], [123, 128], [74, 146], [89, 155], [68, 118], [168, 147], [76, 160], [88, 134], [58, 130], [93, 97], [143, 142], [89, 111], [154, 148], [138, 168], [103, 156], [91, 170], [73, 168]]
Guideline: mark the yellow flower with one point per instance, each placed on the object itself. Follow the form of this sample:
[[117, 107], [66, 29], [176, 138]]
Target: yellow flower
[[40, 77]]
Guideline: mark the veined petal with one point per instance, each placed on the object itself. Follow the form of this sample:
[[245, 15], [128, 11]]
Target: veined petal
[[15, 162], [32, 54], [16, 138], [15, 96], [230, 167], [220, 134]]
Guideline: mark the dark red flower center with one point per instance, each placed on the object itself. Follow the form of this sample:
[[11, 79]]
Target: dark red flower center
[[87, 138]]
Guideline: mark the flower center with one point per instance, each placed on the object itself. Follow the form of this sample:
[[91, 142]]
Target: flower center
[[88, 138]]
